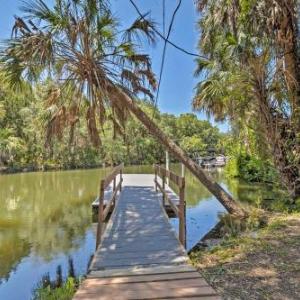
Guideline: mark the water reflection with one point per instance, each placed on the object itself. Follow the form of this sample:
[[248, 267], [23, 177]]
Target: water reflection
[[45, 218]]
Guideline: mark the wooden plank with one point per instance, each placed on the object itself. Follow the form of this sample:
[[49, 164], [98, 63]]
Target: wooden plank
[[113, 267], [139, 261], [148, 277], [158, 285], [142, 256], [149, 245], [148, 290], [162, 242], [121, 251], [133, 271]]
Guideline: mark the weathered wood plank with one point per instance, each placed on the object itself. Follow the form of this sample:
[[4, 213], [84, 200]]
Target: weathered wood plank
[[145, 278], [146, 290], [121, 251], [139, 261], [134, 271]]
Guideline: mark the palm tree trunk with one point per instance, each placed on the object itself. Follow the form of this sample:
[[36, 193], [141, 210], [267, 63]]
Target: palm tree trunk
[[279, 135], [227, 201], [287, 38]]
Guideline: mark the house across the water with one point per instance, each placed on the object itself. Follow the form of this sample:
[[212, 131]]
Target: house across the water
[[212, 161]]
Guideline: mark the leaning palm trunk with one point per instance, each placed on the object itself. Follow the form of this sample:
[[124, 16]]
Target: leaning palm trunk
[[227, 201]]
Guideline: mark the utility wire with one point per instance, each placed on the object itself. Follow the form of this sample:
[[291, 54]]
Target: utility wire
[[162, 36], [164, 17], [164, 52]]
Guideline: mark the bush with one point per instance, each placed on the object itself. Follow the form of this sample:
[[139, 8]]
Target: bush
[[251, 168], [65, 292], [57, 289]]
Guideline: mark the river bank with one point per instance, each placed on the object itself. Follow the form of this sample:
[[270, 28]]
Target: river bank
[[261, 264], [46, 168]]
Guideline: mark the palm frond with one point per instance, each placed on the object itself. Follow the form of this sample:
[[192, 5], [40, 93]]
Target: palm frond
[[142, 27], [81, 45]]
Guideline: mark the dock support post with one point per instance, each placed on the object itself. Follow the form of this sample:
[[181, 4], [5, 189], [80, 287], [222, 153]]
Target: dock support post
[[155, 179], [121, 179], [114, 188], [164, 189], [182, 214], [100, 214], [167, 164]]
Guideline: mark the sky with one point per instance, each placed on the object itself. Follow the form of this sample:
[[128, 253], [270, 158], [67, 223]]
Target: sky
[[178, 81]]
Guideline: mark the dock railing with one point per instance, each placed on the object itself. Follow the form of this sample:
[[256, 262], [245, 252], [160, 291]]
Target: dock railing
[[179, 211], [104, 183]]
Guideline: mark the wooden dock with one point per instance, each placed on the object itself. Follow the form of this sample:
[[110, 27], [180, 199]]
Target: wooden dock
[[140, 256]]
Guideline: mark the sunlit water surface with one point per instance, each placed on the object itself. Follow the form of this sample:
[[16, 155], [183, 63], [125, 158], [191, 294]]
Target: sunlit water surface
[[46, 219]]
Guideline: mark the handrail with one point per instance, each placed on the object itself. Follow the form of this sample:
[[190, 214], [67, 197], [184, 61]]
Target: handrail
[[178, 180], [104, 183], [179, 212]]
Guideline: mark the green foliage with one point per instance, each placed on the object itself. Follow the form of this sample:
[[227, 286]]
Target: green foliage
[[65, 292], [233, 227], [248, 160], [192, 144], [23, 133], [251, 169], [60, 288]]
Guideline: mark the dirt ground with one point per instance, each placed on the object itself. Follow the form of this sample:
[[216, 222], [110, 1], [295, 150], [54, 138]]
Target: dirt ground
[[257, 265]]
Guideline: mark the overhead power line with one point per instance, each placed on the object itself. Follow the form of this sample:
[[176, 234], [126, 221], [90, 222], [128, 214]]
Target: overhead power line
[[162, 36], [165, 47]]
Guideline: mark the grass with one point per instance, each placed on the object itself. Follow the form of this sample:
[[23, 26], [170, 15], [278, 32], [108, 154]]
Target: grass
[[259, 264], [65, 292], [58, 289]]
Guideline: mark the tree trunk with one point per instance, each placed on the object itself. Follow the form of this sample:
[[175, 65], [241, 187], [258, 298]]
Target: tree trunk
[[286, 38], [279, 136], [227, 201]]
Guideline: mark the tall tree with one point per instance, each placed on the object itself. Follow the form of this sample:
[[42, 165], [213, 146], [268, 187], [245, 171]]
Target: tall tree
[[251, 69], [80, 43]]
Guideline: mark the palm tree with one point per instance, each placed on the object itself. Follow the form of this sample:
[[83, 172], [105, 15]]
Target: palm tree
[[80, 44], [251, 74]]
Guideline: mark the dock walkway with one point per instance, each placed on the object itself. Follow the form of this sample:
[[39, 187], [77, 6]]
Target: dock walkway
[[140, 256]]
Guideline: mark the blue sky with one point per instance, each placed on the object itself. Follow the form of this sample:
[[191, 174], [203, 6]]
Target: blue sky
[[178, 82]]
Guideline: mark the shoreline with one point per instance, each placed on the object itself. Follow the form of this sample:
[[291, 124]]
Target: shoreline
[[16, 170], [265, 261]]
